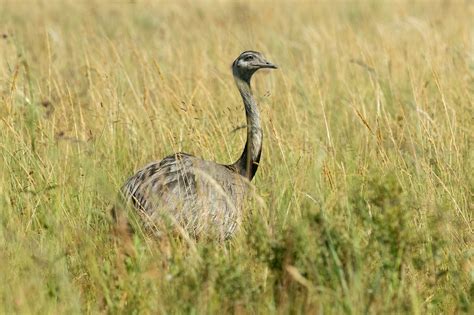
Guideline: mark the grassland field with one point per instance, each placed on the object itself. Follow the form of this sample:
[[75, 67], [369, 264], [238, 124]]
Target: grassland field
[[363, 202]]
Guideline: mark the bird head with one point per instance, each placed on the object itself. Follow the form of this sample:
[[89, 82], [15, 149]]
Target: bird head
[[248, 63]]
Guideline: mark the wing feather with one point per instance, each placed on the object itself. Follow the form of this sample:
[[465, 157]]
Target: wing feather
[[197, 194]]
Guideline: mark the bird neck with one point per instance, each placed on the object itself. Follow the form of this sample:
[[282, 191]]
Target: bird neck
[[247, 164]]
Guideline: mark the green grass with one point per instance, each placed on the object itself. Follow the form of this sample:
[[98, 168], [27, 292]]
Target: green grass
[[363, 201]]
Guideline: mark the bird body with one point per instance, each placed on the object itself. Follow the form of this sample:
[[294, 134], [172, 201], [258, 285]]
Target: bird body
[[202, 197], [198, 195]]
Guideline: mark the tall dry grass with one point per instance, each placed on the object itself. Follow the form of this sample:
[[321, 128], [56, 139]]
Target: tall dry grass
[[363, 201]]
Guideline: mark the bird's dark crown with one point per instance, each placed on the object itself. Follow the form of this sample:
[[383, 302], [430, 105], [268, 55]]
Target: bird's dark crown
[[246, 54]]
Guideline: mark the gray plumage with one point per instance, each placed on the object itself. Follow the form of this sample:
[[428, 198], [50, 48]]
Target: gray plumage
[[202, 197]]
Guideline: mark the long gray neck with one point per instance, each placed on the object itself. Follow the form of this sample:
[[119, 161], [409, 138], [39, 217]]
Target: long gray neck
[[247, 164]]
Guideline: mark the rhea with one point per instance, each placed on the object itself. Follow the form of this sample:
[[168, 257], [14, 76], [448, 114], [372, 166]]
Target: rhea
[[203, 197]]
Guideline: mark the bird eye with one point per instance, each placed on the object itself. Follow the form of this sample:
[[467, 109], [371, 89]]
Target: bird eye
[[248, 58]]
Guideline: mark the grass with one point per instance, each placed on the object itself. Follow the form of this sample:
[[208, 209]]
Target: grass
[[363, 201]]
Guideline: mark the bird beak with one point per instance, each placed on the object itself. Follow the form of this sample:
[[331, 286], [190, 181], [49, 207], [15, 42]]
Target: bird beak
[[268, 65]]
